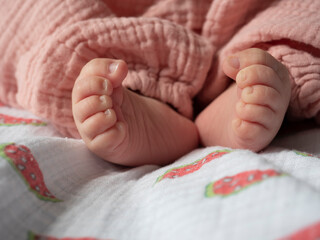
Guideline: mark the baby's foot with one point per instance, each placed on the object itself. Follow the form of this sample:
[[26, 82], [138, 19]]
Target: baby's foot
[[250, 112], [123, 127]]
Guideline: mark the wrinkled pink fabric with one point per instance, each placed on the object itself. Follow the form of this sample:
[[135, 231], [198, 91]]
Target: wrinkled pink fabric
[[168, 45]]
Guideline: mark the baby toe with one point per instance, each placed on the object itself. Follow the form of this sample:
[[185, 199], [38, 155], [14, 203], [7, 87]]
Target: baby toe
[[97, 124], [248, 135], [262, 95], [240, 60], [90, 106], [108, 140], [257, 114], [254, 56], [258, 75], [93, 85], [112, 69]]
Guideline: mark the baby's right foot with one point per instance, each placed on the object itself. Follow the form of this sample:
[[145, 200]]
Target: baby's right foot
[[123, 127], [250, 112]]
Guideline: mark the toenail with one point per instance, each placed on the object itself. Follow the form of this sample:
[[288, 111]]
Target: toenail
[[234, 62], [108, 112], [113, 67], [103, 99]]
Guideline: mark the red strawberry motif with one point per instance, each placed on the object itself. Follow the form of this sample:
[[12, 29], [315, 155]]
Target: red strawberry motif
[[1, 104], [6, 120], [22, 160], [192, 167], [309, 233], [229, 185], [33, 236]]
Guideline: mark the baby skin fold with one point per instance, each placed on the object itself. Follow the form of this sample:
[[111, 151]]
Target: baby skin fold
[[126, 128]]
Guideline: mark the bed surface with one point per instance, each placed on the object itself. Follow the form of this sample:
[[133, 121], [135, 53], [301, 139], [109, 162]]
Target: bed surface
[[52, 186]]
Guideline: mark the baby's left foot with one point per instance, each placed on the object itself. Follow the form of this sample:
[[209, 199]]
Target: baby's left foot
[[250, 112]]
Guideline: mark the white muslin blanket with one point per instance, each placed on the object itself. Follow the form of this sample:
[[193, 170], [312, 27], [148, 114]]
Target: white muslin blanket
[[53, 188]]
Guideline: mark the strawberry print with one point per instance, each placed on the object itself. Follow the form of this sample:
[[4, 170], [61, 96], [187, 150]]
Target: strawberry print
[[6, 120], [1, 104], [33, 236], [22, 160], [309, 233], [192, 167], [234, 184]]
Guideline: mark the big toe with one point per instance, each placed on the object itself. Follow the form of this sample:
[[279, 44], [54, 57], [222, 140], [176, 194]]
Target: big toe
[[112, 69]]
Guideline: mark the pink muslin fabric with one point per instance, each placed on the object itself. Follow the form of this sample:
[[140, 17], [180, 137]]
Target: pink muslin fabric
[[169, 46]]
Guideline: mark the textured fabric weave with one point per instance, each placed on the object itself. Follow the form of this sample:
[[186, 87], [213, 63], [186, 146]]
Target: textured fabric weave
[[169, 46]]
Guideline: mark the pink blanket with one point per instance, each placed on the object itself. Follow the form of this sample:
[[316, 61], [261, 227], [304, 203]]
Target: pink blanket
[[169, 45]]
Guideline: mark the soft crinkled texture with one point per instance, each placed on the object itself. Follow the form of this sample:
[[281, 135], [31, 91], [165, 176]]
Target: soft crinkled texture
[[289, 30], [168, 45], [45, 44]]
